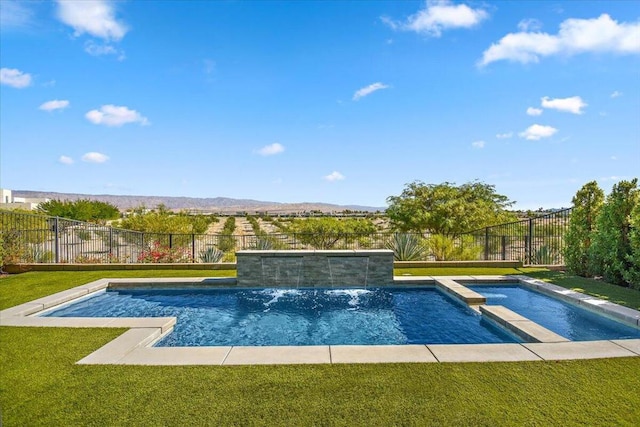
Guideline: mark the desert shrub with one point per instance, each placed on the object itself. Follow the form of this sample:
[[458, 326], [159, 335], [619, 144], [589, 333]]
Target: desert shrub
[[407, 247], [80, 210], [547, 255], [83, 234], [162, 220], [87, 259], [159, 253], [211, 255], [12, 249], [37, 254], [328, 233], [444, 248]]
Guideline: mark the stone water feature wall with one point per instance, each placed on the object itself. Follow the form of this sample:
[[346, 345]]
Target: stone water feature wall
[[309, 268]]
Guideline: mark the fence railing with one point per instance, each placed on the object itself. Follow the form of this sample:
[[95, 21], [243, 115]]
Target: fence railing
[[535, 241], [31, 238]]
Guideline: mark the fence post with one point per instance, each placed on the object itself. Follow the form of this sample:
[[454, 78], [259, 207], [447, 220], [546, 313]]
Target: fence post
[[530, 245], [486, 243], [504, 247], [57, 240], [170, 240], [193, 248], [110, 241]]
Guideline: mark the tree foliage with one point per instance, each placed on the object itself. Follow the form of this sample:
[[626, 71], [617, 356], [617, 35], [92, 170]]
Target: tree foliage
[[632, 276], [587, 204], [326, 233], [609, 252], [80, 210], [447, 209], [162, 220]]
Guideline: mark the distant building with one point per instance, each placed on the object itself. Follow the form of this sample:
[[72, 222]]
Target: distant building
[[7, 201]]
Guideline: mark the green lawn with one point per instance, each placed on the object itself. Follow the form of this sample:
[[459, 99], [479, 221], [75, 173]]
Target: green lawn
[[41, 385]]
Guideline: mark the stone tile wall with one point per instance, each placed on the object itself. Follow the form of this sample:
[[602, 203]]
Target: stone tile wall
[[314, 268]]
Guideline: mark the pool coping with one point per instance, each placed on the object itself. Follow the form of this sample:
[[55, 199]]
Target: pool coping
[[134, 347]]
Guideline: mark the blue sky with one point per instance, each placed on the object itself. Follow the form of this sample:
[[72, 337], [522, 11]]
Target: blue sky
[[337, 102]]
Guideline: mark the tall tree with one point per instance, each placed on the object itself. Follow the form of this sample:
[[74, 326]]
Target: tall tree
[[632, 276], [448, 209], [587, 204], [611, 246], [80, 210], [326, 233]]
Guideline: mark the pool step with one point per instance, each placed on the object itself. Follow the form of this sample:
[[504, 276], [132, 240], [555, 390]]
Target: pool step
[[460, 292], [520, 325]]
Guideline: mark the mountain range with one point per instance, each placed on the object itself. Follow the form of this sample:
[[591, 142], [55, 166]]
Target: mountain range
[[212, 205]]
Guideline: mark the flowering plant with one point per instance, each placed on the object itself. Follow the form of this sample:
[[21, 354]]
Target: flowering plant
[[159, 253]]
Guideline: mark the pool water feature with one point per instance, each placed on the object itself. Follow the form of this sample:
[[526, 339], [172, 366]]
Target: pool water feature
[[568, 320], [285, 316]]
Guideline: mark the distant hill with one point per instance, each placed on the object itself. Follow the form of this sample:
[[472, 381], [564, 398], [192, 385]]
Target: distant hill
[[215, 204]]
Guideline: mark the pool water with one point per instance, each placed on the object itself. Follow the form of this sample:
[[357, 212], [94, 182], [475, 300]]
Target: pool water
[[570, 321], [261, 317]]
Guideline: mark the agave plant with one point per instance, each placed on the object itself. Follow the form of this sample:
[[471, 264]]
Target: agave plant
[[546, 255], [406, 247], [211, 255], [263, 243]]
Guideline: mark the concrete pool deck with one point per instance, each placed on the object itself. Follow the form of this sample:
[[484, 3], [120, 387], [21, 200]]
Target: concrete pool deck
[[134, 347]]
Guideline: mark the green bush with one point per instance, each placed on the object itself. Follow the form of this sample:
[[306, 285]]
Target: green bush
[[161, 220], [80, 210], [547, 255], [632, 275], [329, 233], [587, 204], [444, 248], [12, 250], [611, 247]]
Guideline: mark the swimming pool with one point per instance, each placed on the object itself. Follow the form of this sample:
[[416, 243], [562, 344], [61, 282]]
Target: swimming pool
[[275, 317], [570, 321]]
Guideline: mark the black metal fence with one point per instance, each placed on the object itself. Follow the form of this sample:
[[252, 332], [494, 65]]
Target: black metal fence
[[31, 238], [534, 241]]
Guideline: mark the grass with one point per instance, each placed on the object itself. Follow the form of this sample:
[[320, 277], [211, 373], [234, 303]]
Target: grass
[[597, 288], [41, 385]]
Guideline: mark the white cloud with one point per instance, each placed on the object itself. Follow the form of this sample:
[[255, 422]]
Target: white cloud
[[614, 158], [574, 104], [534, 111], [14, 14], [478, 144], [65, 160], [94, 157], [505, 135], [334, 176], [95, 49], [271, 149], [616, 94], [94, 17], [367, 90], [437, 16], [113, 115], [575, 36], [56, 104], [530, 24], [536, 132], [14, 78]]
